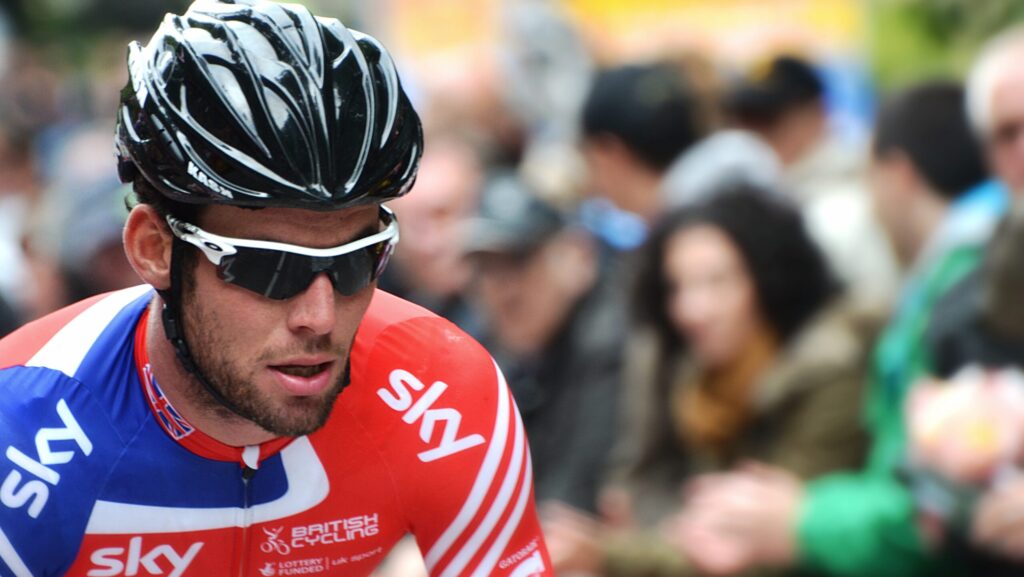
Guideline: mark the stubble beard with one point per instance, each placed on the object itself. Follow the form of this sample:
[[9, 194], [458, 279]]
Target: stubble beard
[[234, 381]]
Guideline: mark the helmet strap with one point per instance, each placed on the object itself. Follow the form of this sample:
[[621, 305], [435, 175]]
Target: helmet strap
[[174, 329]]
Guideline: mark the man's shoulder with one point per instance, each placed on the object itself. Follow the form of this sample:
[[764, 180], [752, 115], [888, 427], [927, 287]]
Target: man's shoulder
[[434, 408], [74, 363], [62, 339], [58, 442], [406, 332], [74, 357], [402, 346], [21, 345]]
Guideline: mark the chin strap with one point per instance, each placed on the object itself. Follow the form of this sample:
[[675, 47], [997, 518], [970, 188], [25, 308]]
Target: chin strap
[[176, 333]]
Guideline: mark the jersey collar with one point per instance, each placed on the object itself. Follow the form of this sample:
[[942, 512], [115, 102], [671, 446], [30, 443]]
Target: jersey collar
[[178, 428]]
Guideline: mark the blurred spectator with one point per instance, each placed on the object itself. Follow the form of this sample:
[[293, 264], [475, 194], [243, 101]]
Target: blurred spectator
[[546, 68], [27, 96], [722, 160], [783, 101], [429, 267], [982, 323], [756, 355], [556, 332], [926, 173], [994, 89], [467, 95], [17, 193], [78, 222], [637, 119], [28, 107]]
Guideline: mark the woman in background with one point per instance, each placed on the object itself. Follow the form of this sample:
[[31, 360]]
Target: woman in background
[[744, 350]]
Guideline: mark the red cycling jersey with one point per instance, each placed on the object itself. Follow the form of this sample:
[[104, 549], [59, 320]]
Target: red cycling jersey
[[104, 478]]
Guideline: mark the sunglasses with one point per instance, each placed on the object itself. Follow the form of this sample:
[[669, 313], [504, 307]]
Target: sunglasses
[[280, 271]]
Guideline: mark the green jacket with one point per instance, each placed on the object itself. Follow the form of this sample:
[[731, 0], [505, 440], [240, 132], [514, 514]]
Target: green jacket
[[862, 524]]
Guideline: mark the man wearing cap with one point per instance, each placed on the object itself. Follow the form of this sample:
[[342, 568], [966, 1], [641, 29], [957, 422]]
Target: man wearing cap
[[556, 330]]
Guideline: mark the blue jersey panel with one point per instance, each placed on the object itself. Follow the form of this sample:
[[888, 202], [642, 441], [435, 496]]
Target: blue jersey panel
[[186, 479], [58, 445], [108, 369]]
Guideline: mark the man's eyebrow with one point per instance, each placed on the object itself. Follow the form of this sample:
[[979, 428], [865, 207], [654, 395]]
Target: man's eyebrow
[[378, 225], [368, 230]]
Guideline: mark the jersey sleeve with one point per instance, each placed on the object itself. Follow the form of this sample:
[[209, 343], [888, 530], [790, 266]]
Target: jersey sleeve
[[57, 446], [458, 452]]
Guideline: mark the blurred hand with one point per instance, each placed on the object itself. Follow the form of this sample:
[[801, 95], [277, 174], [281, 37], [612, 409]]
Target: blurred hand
[[735, 521], [998, 524], [616, 507], [404, 560], [706, 545], [574, 539], [966, 429]]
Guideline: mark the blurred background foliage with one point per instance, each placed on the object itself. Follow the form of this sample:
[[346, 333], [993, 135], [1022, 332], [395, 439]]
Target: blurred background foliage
[[912, 40], [904, 40]]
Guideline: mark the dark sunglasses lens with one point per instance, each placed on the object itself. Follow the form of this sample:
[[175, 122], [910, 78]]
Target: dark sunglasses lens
[[273, 274], [352, 272], [281, 275]]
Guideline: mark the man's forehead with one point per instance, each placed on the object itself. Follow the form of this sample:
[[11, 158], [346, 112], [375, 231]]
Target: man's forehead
[[1009, 89], [292, 225]]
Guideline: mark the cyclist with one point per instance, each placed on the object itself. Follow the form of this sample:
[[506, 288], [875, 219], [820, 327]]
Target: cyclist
[[257, 406]]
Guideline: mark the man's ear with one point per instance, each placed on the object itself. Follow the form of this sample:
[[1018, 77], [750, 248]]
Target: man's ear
[[147, 244]]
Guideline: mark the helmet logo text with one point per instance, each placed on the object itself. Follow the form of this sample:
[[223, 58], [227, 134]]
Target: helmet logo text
[[206, 180]]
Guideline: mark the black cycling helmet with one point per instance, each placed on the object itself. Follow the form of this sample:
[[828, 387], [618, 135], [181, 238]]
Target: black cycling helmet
[[258, 104]]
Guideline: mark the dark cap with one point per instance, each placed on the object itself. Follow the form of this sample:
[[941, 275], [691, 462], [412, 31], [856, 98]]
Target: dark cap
[[654, 109], [511, 218], [772, 88]]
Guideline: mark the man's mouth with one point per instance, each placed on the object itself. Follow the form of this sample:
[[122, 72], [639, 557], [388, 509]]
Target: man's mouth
[[304, 371]]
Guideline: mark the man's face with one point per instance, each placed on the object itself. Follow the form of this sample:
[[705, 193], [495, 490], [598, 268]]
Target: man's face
[[1006, 134], [889, 198], [524, 302], [431, 257], [282, 363]]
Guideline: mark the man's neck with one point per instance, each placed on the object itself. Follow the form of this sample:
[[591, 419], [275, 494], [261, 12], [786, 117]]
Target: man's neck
[[180, 387], [927, 218], [645, 200]]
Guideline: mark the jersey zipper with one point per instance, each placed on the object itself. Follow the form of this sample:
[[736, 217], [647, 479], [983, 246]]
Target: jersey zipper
[[247, 474], [250, 458]]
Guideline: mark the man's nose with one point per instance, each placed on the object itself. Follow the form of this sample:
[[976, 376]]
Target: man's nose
[[313, 310]]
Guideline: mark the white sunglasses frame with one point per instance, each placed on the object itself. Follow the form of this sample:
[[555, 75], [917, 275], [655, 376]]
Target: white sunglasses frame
[[215, 247]]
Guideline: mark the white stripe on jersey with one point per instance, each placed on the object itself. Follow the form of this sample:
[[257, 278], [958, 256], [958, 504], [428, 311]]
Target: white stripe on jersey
[[10, 557], [497, 509], [307, 483], [65, 351], [484, 479], [486, 566]]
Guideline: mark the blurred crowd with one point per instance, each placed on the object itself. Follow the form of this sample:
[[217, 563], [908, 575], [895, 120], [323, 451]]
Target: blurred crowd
[[741, 342]]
